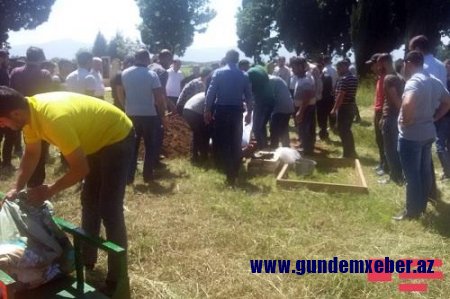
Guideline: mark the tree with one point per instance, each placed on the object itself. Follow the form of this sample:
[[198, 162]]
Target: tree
[[18, 14], [120, 47], [311, 27], [316, 26], [100, 47], [375, 30], [257, 28], [171, 24]]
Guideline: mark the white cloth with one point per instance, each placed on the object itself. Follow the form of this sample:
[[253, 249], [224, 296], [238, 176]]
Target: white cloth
[[173, 87], [99, 86], [80, 81], [436, 68]]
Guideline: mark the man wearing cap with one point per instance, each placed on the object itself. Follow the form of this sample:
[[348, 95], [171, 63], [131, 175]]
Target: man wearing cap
[[425, 100], [345, 107], [382, 167], [393, 90]]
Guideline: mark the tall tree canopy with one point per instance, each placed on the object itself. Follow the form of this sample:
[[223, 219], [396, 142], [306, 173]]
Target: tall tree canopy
[[313, 27], [18, 14], [257, 28], [100, 47], [119, 46], [171, 24]]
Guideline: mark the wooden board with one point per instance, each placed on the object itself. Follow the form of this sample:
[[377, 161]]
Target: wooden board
[[359, 187]]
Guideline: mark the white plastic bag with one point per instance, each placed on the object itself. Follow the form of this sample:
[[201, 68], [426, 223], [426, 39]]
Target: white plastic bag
[[287, 155]]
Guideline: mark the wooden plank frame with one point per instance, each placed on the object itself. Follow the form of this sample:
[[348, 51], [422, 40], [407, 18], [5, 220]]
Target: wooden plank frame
[[360, 187]]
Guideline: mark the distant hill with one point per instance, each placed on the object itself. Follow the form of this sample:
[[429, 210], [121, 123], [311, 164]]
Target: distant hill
[[67, 48], [64, 48]]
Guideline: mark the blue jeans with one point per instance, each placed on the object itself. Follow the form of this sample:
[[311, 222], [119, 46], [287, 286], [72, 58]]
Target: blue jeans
[[102, 199], [307, 129], [261, 116], [415, 157], [146, 127], [442, 139], [390, 142]]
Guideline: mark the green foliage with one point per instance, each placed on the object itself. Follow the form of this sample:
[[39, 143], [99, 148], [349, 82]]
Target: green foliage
[[100, 47], [18, 14], [443, 52], [256, 28], [171, 24], [375, 32], [119, 46], [313, 27]]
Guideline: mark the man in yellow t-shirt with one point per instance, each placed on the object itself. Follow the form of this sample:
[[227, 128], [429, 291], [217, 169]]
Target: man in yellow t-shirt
[[97, 141]]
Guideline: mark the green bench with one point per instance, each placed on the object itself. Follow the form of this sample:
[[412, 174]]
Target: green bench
[[72, 286]]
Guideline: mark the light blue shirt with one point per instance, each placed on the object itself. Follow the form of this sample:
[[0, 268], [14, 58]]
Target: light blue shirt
[[229, 87], [429, 93], [139, 82], [435, 67]]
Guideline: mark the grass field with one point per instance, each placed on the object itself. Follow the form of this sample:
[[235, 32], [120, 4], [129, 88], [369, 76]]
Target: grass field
[[190, 236]]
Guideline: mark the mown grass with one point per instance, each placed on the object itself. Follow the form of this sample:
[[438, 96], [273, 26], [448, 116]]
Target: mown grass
[[190, 236]]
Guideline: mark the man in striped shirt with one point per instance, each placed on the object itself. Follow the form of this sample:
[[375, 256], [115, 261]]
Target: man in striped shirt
[[345, 107]]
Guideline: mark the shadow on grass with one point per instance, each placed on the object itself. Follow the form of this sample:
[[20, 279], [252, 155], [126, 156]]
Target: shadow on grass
[[363, 123], [155, 188], [439, 220]]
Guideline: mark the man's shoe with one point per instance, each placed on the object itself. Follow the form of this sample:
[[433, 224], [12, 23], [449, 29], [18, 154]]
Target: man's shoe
[[405, 216], [384, 181], [445, 177]]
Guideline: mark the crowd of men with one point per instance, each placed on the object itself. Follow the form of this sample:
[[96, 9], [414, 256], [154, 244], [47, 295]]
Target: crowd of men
[[100, 142]]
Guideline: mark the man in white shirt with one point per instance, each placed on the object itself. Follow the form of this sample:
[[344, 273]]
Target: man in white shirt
[[97, 68], [81, 80], [329, 70], [282, 71], [173, 87]]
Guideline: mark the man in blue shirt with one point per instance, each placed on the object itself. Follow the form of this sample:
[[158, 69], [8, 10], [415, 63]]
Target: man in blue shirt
[[229, 88]]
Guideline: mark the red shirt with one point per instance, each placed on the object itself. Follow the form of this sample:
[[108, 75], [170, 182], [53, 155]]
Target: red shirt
[[379, 94]]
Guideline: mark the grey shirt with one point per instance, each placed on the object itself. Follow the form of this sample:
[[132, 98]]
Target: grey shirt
[[283, 100], [429, 93]]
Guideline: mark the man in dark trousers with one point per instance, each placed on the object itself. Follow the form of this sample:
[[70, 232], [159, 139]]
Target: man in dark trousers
[[225, 97]]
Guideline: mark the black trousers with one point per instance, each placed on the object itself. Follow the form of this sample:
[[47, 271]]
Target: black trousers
[[38, 176], [279, 130], [324, 107], [201, 134], [227, 139], [345, 117], [379, 140], [9, 138]]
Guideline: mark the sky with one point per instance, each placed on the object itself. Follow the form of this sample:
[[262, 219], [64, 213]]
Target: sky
[[80, 20]]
